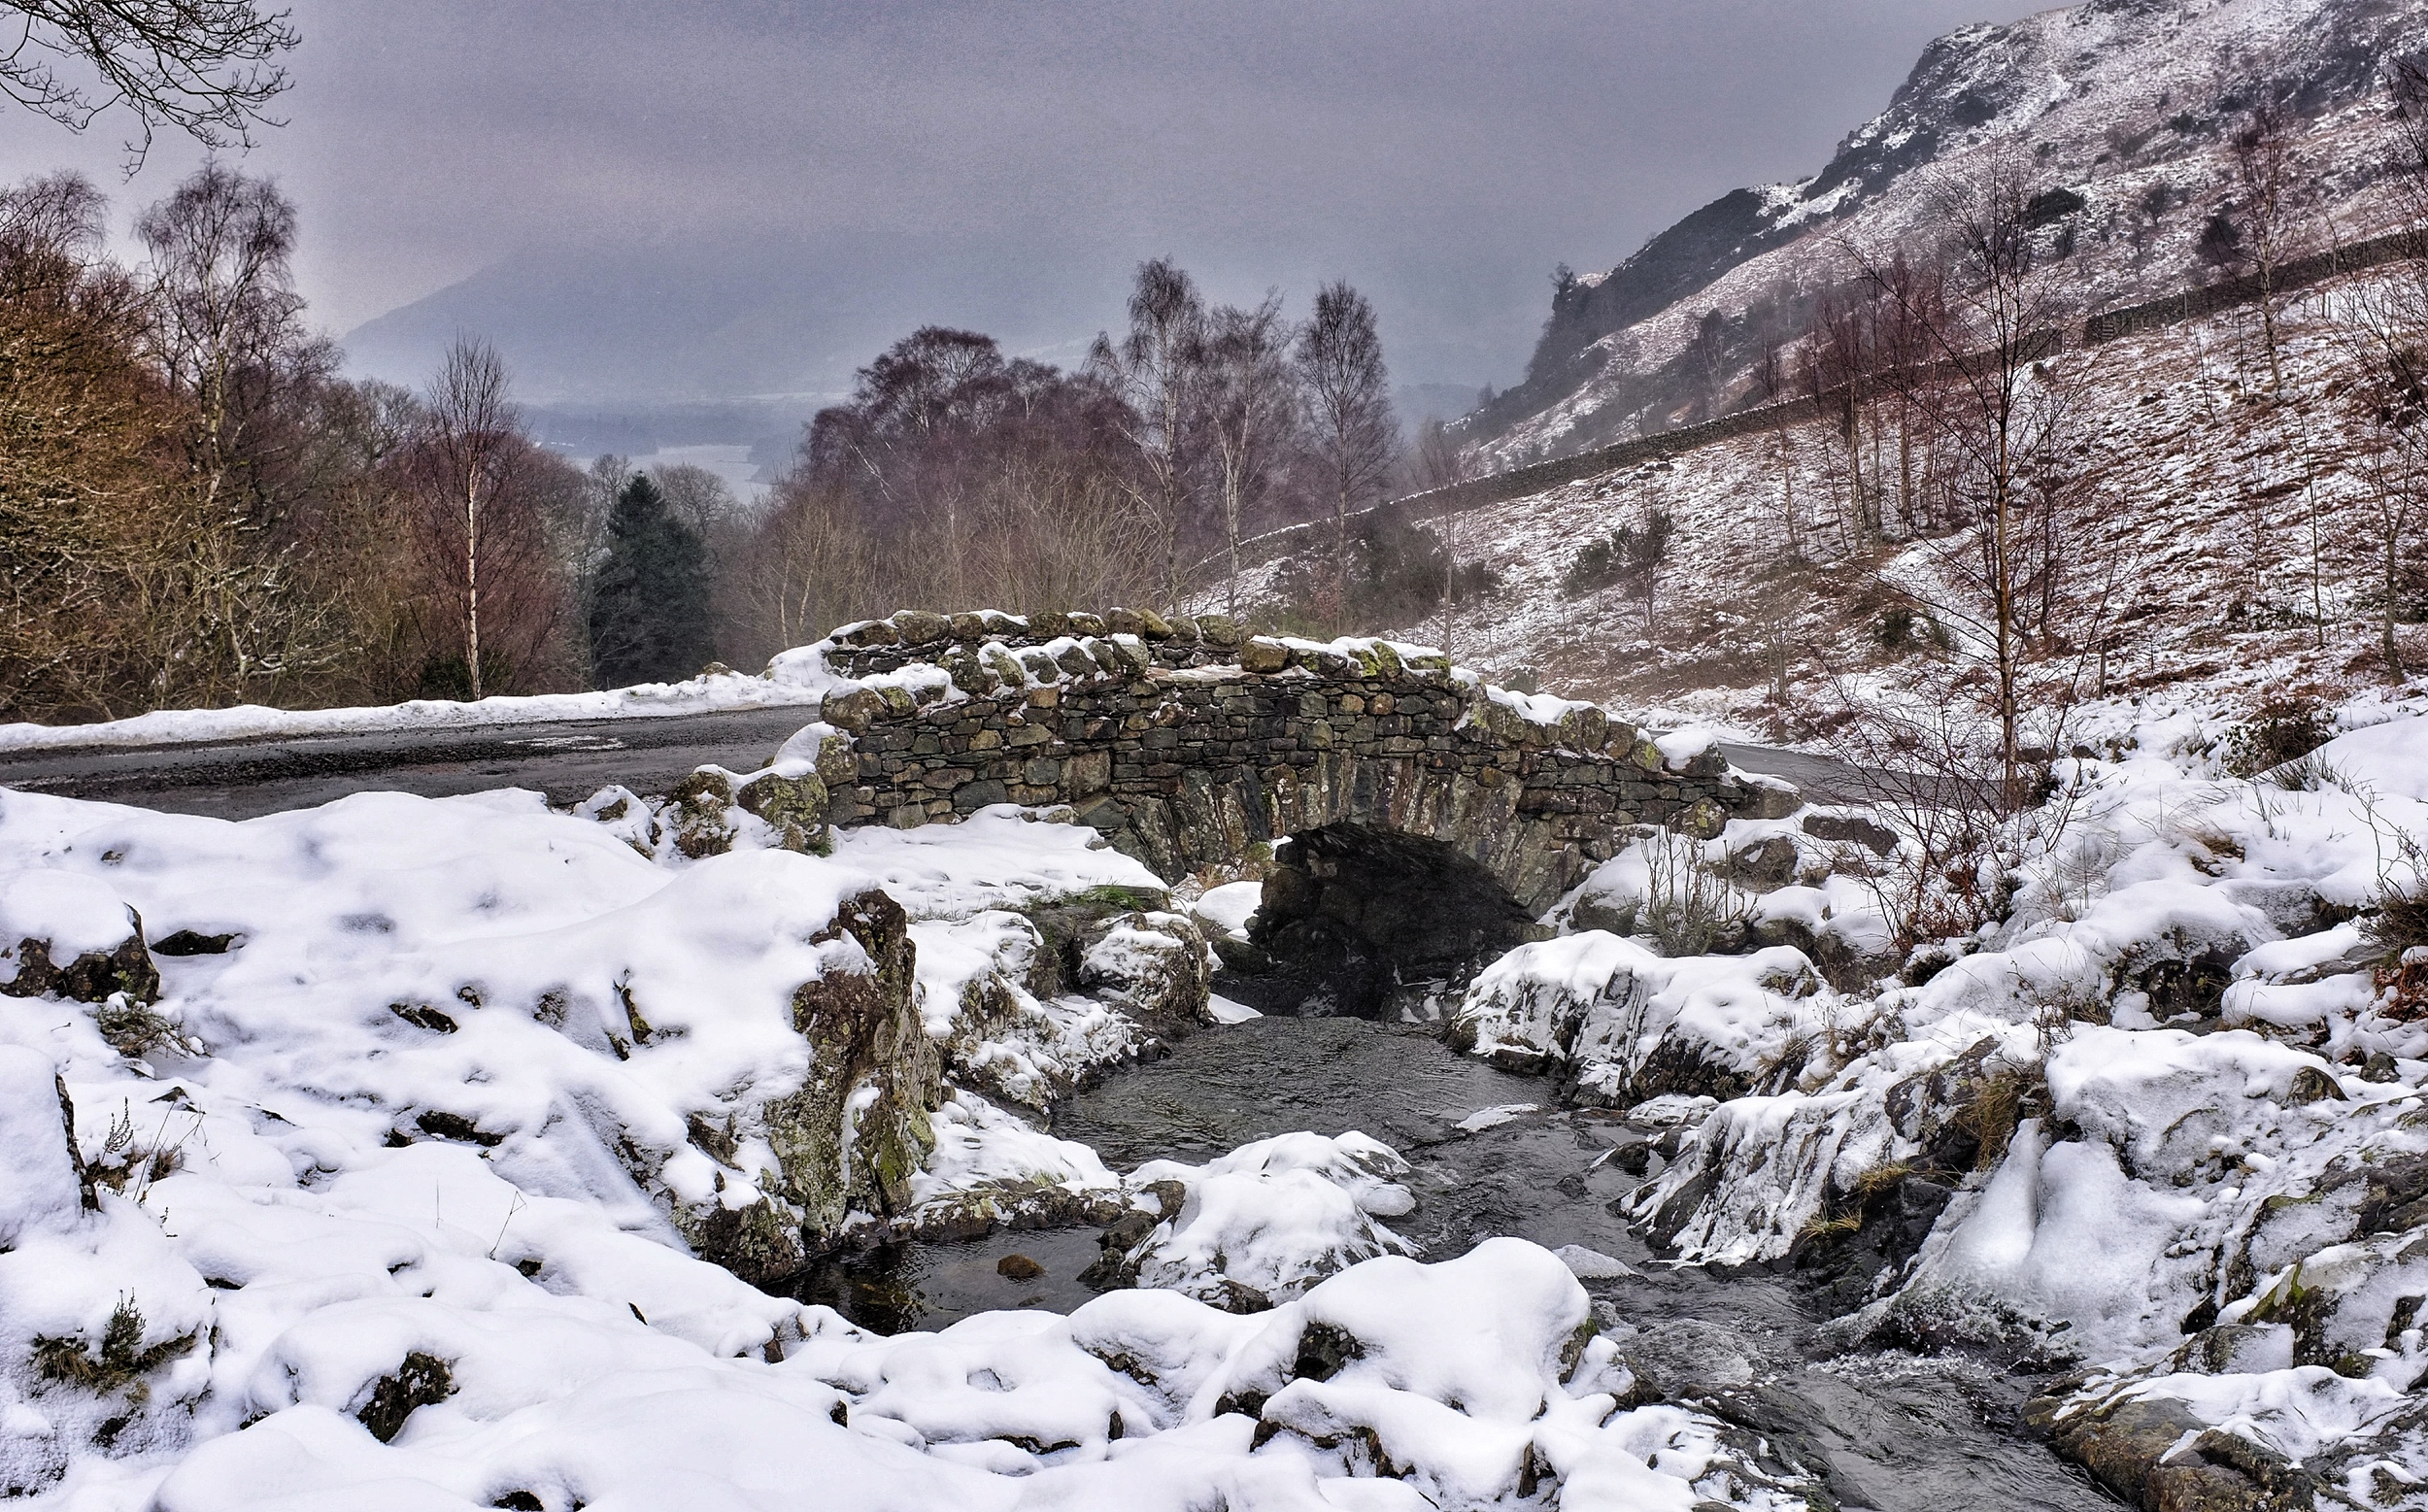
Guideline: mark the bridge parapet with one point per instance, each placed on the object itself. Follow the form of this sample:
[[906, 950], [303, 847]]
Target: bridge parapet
[[1188, 744]]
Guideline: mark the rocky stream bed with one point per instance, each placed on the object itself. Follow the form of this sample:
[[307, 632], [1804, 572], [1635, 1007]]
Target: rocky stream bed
[[1492, 1156]]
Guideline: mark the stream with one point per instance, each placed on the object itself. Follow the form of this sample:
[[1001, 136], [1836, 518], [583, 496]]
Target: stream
[[1891, 1432]]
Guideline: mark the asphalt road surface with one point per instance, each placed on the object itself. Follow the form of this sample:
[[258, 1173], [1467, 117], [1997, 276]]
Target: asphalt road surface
[[568, 761]]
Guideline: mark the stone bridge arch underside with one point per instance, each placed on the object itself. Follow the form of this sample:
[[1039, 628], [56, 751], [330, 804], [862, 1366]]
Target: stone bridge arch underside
[[1191, 746]]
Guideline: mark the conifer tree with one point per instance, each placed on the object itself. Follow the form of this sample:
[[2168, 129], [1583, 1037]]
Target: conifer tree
[[648, 614]]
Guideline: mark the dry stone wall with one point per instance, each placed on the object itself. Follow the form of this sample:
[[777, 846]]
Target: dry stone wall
[[1188, 744]]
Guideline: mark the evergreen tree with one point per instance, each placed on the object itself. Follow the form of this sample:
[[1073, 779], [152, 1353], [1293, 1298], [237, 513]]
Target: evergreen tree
[[648, 613]]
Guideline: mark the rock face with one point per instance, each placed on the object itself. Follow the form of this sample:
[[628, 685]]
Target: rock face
[[849, 1139], [851, 1148], [1187, 753]]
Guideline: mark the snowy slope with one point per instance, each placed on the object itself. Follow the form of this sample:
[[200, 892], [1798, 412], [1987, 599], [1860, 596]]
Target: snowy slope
[[2127, 104], [2212, 489]]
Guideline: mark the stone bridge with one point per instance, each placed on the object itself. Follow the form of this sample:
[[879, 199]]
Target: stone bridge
[[1191, 745]]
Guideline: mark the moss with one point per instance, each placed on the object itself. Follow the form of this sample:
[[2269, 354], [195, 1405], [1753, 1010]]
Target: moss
[[1572, 1351], [1119, 900]]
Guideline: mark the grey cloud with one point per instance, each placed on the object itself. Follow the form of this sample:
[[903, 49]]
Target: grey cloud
[[664, 198]]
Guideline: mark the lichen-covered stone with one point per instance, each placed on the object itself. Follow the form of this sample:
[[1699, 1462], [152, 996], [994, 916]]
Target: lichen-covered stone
[[794, 807], [853, 710], [1704, 820], [1258, 655], [90, 977], [850, 1138], [917, 628], [698, 811]]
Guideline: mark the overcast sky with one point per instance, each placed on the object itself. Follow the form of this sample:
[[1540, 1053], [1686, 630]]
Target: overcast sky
[[745, 197]]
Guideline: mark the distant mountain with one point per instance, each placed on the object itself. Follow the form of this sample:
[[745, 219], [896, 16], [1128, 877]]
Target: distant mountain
[[2124, 107], [655, 323]]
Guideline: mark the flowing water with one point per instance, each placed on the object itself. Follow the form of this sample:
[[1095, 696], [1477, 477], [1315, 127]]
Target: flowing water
[[1891, 1432]]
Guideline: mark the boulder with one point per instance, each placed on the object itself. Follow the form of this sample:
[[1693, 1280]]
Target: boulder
[[1154, 964], [1258, 655]]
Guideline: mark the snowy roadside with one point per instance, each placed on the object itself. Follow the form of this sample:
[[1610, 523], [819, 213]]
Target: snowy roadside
[[707, 694]]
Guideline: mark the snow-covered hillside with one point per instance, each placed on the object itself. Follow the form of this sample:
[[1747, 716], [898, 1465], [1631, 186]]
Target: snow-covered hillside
[[2239, 518], [2123, 109]]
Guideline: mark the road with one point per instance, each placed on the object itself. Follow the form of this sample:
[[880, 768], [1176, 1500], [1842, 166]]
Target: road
[[568, 761]]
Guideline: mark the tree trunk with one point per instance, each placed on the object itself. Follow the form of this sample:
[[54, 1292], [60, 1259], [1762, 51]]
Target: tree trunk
[[472, 584]]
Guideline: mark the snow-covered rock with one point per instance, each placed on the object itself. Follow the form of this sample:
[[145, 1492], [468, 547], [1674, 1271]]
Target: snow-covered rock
[[1621, 1024], [1263, 1223]]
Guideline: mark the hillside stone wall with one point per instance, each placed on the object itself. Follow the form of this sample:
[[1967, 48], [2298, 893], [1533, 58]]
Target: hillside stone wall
[[1187, 745]]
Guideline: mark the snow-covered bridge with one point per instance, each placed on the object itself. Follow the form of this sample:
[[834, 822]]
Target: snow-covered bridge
[[1191, 745]]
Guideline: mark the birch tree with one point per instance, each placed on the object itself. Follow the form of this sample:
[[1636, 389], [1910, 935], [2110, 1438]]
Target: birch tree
[[1252, 411], [1158, 370], [1352, 435], [473, 444]]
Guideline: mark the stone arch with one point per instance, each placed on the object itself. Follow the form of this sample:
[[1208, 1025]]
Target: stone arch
[[1370, 920]]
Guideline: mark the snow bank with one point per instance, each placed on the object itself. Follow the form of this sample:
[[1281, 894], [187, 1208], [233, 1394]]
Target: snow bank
[[1267, 1220], [707, 694], [2162, 1118]]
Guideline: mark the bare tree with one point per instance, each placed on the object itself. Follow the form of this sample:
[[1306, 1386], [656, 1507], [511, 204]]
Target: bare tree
[[1772, 378], [809, 566], [203, 67], [1252, 408], [2266, 166], [2009, 420], [2388, 340], [1158, 369], [472, 447], [225, 307], [1442, 463], [1353, 434]]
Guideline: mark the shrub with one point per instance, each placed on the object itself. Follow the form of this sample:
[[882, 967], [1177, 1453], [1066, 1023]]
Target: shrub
[[2400, 927], [121, 1360], [2284, 730], [1689, 908], [1394, 575]]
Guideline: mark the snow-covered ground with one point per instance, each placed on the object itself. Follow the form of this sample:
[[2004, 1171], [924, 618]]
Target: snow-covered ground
[[366, 1155]]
